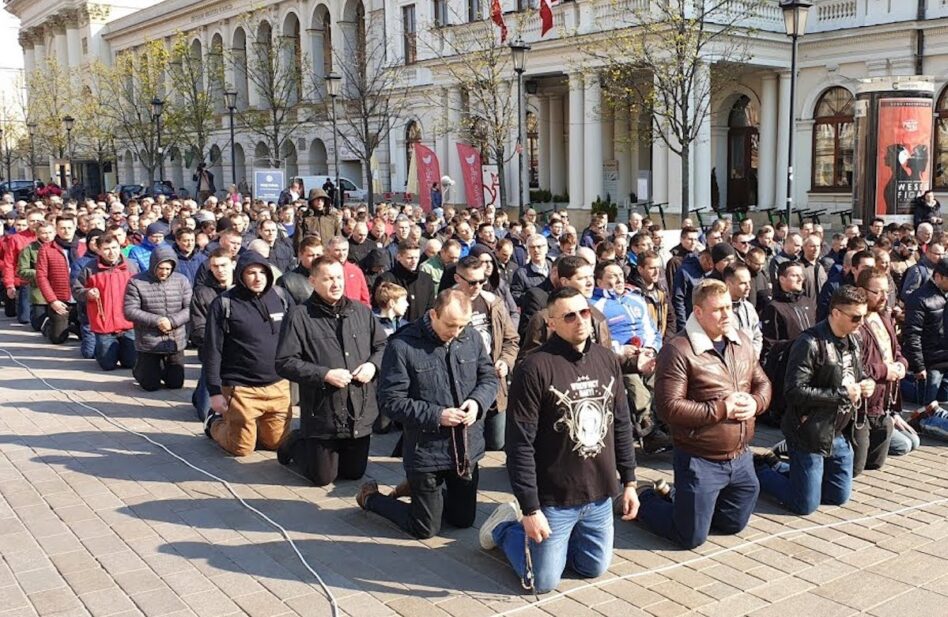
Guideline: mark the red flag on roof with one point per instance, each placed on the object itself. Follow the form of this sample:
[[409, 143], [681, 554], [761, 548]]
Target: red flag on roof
[[546, 17], [497, 16]]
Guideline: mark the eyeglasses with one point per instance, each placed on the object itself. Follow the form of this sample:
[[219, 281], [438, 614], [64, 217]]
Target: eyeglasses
[[857, 318], [572, 316], [876, 292], [470, 282]]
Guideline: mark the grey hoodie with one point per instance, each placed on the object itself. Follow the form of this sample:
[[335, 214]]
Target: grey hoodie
[[147, 300]]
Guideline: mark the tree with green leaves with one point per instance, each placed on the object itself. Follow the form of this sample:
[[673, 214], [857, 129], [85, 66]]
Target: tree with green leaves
[[191, 115], [661, 63]]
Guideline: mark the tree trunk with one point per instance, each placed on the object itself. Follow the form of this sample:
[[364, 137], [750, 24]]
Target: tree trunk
[[685, 179], [370, 193], [501, 178]]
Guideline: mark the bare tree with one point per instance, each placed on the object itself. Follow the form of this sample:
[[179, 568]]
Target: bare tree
[[127, 89], [93, 136], [274, 72], [661, 63], [374, 98], [50, 96], [190, 120]]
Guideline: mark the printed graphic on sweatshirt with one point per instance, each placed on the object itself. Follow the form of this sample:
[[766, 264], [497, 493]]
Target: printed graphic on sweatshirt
[[586, 414]]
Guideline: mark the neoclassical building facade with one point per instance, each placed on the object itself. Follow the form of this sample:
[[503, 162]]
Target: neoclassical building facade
[[574, 144]]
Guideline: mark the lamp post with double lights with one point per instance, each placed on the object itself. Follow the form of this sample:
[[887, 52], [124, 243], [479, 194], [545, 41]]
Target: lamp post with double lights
[[31, 128], [69, 122], [230, 99], [794, 16], [518, 50], [333, 80], [157, 106]]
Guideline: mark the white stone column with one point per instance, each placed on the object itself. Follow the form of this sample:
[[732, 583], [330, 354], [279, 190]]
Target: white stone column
[[29, 60], [719, 148], [766, 160], [543, 137], [659, 170], [73, 47], [60, 45], [783, 136], [576, 146], [454, 161], [592, 138], [557, 146], [39, 51], [622, 147], [701, 146]]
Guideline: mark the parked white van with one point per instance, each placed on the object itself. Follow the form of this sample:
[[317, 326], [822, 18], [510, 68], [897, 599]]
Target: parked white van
[[351, 191]]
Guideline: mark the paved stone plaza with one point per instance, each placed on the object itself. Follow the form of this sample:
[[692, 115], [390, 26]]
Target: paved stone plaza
[[94, 520]]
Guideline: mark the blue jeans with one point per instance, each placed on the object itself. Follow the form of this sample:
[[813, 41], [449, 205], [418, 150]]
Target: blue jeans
[[201, 398], [581, 538], [23, 304], [903, 442], [37, 316], [495, 426], [708, 494], [112, 350], [87, 338], [935, 386], [812, 479]]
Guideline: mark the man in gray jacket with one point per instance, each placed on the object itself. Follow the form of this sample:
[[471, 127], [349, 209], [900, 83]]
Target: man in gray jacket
[[158, 303], [738, 279]]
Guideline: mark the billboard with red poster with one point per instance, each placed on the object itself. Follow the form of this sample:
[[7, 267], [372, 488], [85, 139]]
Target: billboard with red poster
[[903, 153]]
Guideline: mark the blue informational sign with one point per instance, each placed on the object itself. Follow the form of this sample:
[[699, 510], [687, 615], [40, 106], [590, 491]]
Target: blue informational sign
[[268, 183]]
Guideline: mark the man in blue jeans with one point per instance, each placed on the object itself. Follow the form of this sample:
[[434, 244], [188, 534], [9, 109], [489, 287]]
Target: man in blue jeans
[[922, 334], [825, 385], [568, 432], [710, 392]]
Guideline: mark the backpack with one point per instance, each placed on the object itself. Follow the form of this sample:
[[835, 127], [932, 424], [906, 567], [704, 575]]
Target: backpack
[[225, 305]]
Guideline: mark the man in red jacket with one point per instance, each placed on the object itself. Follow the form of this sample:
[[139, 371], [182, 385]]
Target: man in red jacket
[[101, 285], [15, 287], [356, 289], [52, 278]]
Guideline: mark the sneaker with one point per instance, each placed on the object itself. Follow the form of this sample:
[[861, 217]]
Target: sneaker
[[505, 512], [656, 442], [659, 487], [285, 451], [367, 489], [208, 421], [402, 490], [781, 449], [663, 489]]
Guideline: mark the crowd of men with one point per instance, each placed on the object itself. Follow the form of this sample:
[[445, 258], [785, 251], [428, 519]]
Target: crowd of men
[[471, 331]]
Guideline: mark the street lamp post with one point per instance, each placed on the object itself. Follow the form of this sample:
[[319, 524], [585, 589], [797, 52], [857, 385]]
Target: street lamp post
[[31, 127], [794, 17], [3, 156], [69, 122], [518, 50], [230, 98], [157, 106], [333, 81]]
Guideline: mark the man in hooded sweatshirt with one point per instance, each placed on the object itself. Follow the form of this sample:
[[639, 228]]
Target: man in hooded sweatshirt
[[157, 301], [250, 401], [141, 254]]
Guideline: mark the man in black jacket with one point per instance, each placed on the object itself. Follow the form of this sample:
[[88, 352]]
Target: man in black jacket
[[923, 335], [251, 403], [296, 281], [825, 385], [281, 248], [438, 381], [569, 433], [420, 286], [220, 278], [332, 347]]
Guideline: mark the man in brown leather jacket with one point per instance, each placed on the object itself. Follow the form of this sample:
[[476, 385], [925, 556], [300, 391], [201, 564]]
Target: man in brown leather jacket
[[711, 390]]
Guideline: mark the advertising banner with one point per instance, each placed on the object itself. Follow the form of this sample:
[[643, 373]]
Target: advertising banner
[[268, 183], [903, 158], [429, 173], [471, 170], [490, 182]]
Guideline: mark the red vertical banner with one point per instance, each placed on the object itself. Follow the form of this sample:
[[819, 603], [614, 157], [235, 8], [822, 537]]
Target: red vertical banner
[[471, 170], [429, 173], [903, 157]]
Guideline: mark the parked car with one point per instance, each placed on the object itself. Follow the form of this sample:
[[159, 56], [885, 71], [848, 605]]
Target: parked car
[[351, 191], [21, 189], [159, 187], [128, 191]]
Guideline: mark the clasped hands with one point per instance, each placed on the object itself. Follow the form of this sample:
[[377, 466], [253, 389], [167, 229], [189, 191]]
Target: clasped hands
[[340, 377]]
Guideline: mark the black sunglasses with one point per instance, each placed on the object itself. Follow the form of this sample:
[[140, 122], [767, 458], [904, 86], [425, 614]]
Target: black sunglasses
[[471, 282]]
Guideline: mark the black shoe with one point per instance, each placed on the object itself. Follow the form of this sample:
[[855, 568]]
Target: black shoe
[[285, 451], [781, 449], [766, 459], [208, 421], [657, 441]]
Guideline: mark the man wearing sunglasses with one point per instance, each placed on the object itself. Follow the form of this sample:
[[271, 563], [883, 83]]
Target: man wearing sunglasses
[[826, 385], [568, 434]]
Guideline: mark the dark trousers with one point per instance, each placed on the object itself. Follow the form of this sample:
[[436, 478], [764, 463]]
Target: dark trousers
[[23, 304], [327, 460], [153, 369], [495, 427], [708, 495], [37, 316], [56, 328], [114, 349], [456, 503], [9, 304], [870, 442]]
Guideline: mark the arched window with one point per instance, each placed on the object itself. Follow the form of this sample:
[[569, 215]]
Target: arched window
[[833, 139], [941, 141]]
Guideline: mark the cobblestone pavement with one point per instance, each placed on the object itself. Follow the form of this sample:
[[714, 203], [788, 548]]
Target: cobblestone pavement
[[94, 520]]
